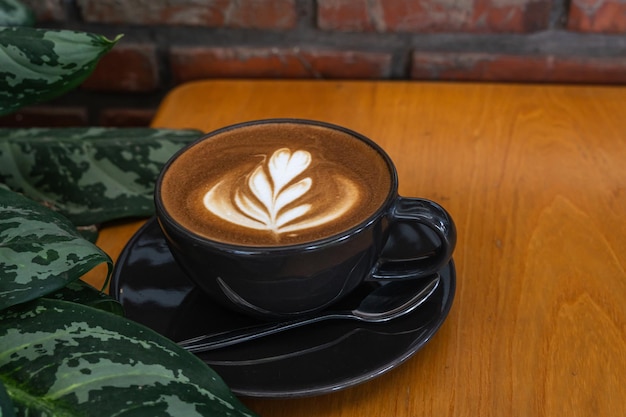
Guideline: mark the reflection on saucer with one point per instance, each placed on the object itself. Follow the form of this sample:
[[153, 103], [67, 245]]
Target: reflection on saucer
[[311, 360]]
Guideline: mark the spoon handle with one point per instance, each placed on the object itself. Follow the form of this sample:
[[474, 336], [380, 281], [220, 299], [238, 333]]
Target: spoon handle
[[213, 341]]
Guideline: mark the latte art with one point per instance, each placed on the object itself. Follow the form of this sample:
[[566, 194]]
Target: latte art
[[272, 197], [275, 184]]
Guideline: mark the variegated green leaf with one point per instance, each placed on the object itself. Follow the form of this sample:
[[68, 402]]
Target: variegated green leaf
[[90, 175], [89, 232], [40, 64], [65, 359], [40, 251], [6, 405], [15, 13], [82, 293]]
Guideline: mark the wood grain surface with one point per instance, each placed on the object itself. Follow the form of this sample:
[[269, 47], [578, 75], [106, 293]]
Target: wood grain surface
[[535, 178]]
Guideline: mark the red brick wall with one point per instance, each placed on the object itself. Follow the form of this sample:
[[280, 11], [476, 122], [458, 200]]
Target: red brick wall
[[168, 42]]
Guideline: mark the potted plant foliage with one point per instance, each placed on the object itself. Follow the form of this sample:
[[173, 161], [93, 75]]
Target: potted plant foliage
[[65, 347]]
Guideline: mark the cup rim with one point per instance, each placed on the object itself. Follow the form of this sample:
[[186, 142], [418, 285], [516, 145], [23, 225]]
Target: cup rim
[[162, 213]]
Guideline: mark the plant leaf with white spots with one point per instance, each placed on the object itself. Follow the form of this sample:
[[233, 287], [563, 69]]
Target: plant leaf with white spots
[[90, 175], [15, 13], [39, 64], [65, 359], [40, 250], [82, 293]]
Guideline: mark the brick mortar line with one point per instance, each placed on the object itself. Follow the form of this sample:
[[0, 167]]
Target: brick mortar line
[[558, 42], [559, 13]]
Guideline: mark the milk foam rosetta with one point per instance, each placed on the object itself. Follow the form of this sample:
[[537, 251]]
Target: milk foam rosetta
[[272, 197], [275, 184]]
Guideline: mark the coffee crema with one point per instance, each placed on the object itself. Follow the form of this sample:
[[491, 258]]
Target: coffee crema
[[275, 184]]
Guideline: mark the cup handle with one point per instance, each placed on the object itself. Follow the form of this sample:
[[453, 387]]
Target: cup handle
[[402, 256]]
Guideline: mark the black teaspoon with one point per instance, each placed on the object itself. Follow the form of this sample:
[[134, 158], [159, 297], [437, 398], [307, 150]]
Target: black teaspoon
[[387, 302]]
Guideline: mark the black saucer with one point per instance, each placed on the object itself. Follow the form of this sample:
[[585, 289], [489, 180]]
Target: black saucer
[[312, 360]]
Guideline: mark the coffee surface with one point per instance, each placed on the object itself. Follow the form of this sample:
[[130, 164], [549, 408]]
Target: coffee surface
[[275, 184]]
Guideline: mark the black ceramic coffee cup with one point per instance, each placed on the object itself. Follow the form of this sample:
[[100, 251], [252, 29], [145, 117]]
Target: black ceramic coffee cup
[[402, 238]]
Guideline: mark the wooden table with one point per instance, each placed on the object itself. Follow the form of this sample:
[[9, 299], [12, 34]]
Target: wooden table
[[535, 177]]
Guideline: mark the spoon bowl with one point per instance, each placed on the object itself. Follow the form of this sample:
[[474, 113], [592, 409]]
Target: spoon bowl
[[387, 302]]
